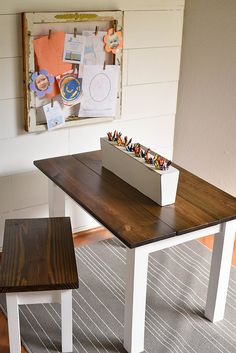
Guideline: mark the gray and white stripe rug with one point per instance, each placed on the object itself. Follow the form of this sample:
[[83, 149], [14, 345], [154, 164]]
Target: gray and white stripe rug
[[176, 295]]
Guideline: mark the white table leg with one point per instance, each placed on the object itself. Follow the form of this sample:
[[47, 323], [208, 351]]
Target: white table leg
[[66, 321], [56, 200], [13, 323], [135, 299], [220, 271]]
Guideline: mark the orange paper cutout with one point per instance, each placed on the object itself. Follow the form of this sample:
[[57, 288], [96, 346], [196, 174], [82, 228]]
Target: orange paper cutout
[[49, 55], [113, 41]]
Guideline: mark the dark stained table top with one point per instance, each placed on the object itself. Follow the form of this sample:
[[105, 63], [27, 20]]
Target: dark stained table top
[[38, 254], [131, 216]]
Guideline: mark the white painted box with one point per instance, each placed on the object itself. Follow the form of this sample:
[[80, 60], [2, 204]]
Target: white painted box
[[158, 185]]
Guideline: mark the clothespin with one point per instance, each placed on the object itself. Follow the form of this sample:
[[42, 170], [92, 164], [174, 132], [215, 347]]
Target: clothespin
[[52, 102], [104, 65], [115, 26], [96, 30], [75, 32], [49, 33], [75, 69]]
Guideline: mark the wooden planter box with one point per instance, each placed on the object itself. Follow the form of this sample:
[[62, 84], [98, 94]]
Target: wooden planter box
[[158, 185]]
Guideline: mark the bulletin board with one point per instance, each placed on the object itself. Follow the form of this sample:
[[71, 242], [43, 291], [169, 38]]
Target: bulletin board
[[49, 27]]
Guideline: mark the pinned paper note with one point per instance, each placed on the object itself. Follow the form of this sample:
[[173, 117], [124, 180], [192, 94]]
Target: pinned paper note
[[73, 48], [113, 41], [41, 83], [70, 88], [49, 54], [94, 53], [54, 115], [99, 91]]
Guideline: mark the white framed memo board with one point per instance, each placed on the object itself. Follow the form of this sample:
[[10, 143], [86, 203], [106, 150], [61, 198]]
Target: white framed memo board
[[50, 26]]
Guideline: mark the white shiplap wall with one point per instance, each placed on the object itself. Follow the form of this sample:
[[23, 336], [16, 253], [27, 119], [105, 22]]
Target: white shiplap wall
[[152, 46]]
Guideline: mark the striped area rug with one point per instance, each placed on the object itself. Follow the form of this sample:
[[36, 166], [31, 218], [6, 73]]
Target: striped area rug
[[176, 295]]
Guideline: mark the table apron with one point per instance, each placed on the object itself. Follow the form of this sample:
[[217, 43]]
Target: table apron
[[179, 239]]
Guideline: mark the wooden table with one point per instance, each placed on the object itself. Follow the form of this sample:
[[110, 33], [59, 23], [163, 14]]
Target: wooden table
[[144, 227], [38, 266]]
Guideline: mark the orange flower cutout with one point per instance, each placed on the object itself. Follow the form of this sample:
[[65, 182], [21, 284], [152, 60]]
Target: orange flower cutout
[[113, 41]]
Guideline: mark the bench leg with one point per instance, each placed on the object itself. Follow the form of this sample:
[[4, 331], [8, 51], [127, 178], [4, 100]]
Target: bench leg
[[13, 323], [66, 321], [220, 272]]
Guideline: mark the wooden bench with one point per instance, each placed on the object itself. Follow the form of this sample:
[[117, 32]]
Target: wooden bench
[[38, 266]]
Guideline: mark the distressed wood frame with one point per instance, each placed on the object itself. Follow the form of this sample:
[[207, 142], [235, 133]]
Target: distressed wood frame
[[31, 23]]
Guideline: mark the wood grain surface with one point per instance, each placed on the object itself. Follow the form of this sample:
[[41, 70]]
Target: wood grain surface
[[131, 216], [38, 254]]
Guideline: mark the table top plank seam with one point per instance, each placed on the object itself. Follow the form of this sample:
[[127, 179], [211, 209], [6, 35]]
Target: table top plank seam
[[94, 171]]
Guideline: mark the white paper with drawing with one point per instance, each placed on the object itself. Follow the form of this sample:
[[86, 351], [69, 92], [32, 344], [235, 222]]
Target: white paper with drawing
[[54, 115], [94, 53], [100, 91]]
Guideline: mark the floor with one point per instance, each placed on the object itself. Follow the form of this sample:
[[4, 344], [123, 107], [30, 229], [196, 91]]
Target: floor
[[83, 238], [208, 241]]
